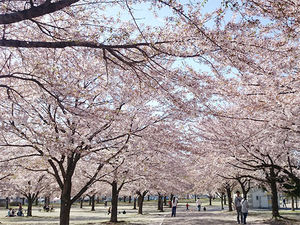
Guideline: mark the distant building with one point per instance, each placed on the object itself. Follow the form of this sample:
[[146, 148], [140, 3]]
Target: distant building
[[260, 199]]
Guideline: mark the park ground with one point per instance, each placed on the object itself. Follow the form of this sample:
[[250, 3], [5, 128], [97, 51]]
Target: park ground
[[213, 215]]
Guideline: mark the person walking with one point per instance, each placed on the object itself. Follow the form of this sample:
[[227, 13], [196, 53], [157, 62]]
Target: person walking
[[174, 206], [238, 207], [245, 208], [198, 204], [284, 203]]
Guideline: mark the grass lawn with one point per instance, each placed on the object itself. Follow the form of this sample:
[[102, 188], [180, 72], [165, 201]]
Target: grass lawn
[[213, 215]]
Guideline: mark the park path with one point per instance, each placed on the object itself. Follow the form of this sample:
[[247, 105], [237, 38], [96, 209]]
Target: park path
[[213, 215]]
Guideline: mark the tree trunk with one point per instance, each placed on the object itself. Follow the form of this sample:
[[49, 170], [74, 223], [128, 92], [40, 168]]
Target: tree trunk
[[273, 186], [158, 202], [195, 197], [6, 202], [228, 190], [296, 199], [81, 202], [29, 207], [65, 208], [90, 200], [23, 201], [165, 200], [114, 202], [93, 203], [293, 203], [124, 198], [36, 201], [45, 201], [170, 205], [140, 202], [65, 205], [129, 199], [224, 198], [148, 198], [222, 201], [48, 200], [134, 203], [210, 200], [245, 186]]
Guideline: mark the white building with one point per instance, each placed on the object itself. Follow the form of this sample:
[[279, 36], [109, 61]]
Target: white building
[[260, 199]]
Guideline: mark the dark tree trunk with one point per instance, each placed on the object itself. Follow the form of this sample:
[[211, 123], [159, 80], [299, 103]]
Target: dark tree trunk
[[140, 202], [245, 185], [114, 202], [195, 197], [170, 205], [141, 196], [165, 200], [65, 206], [23, 201], [228, 190], [224, 198], [210, 199], [273, 186], [158, 202], [93, 203], [148, 198], [129, 199], [63, 177], [134, 203], [48, 200], [36, 201], [81, 203], [90, 200], [29, 207], [293, 203], [6, 202], [296, 199]]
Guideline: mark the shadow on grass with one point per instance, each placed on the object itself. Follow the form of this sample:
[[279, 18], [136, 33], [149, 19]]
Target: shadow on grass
[[120, 223], [282, 221]]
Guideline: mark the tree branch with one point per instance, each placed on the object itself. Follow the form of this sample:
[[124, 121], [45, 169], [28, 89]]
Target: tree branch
[[46, 8]]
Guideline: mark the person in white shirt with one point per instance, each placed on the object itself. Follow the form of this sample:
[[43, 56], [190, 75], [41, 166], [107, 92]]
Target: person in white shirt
[[198, 203], [174, 206], [245, 208]]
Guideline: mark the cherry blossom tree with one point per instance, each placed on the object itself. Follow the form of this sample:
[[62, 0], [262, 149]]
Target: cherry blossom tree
[[68, 127]]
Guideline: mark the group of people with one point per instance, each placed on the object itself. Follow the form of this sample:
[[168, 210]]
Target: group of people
[[174, 203], [242, 207], [12, 212], [109, 211], [47, 208]]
